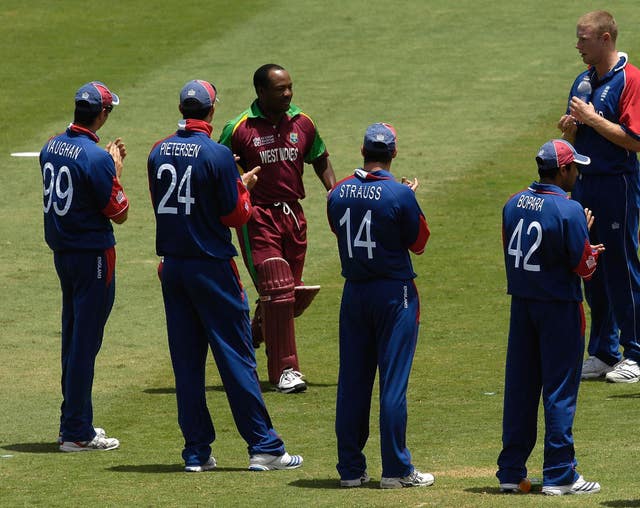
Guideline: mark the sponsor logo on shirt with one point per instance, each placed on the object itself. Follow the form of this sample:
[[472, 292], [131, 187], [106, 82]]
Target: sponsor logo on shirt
[[120, 197], [99, 267], [278, 154], [264, 140]]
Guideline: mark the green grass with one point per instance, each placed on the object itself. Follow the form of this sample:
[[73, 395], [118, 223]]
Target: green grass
[[473, 88]]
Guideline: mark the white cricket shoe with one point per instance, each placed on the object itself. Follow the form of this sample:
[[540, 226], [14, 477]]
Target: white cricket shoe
[[594, 367], [291, 382], [413, 479], [581, 486], [98, 443], [99, 432], [626, 371], [356, 482], [267, 462], [209, 465]]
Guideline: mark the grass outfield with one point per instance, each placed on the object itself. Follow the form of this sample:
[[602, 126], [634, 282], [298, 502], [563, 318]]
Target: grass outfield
[[473, 91]]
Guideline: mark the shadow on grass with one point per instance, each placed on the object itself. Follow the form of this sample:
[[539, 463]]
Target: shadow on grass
[[167, 468], [328, 483], [625, 396], [485, 490], [32, 447], [619, 503], [171, 389], [496, 491], [265, 387]]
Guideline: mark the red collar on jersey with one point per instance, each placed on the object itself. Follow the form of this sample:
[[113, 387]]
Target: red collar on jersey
[[83, 130], [191, 124]]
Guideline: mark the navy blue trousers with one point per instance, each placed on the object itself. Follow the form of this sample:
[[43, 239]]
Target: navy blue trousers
[[206, 307], [613, 294], [544, 354], [87, 280], [378, 331]]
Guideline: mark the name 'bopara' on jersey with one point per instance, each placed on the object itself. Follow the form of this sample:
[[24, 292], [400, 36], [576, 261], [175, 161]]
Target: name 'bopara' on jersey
[[546, 244]]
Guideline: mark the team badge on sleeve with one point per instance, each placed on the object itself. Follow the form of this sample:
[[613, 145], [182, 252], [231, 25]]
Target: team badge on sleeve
[[293, 137]]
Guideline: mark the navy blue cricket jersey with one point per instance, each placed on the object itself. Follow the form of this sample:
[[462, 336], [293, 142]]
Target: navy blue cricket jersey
[[196, 193], [376, 221], [546, 244], [81, 192], [616, 97]]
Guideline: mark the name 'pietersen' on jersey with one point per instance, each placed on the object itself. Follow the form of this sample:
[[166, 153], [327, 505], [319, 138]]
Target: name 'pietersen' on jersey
[[193, 216]]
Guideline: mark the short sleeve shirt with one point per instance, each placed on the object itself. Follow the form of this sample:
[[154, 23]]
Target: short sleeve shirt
[[81, 192], [193, 183], [616, 97], [375, 219], [545, 236], [280, 150]]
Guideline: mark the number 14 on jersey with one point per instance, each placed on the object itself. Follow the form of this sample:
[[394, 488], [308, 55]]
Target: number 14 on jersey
[[364, 229]]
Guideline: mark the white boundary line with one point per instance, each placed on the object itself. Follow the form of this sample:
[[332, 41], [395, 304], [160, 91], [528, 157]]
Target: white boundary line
[[25, 154]]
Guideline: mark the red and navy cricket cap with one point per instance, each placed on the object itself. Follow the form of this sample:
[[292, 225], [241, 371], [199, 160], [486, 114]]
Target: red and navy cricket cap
[[558, 152], [380, 137], [199, 93], [95, 96]]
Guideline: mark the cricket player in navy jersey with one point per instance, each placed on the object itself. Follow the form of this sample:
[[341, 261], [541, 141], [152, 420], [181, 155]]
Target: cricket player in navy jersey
[[603, 121], [278, 136], [197, 196], [546, 252], [82, 195], [377, 221]]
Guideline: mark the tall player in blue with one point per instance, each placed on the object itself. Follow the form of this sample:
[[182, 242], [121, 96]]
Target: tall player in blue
[[377, 221], [602, 120], [197, 196], [546, 252], [82, 196]]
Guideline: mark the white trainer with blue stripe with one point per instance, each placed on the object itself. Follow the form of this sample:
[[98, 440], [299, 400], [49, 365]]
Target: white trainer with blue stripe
[[581, 486], [267, 462]]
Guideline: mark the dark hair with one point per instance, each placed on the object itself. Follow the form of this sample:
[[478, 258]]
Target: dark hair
[[548, 173], [83, 116], [193, 109], [374, 156], [261, 76]]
